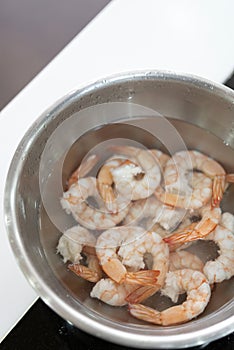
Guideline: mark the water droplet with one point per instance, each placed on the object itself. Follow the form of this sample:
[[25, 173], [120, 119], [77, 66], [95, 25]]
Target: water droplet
[[62, 330], [226, 143], [131, 94]]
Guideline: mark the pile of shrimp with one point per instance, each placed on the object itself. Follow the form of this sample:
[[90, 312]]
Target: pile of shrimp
[[133, 242]]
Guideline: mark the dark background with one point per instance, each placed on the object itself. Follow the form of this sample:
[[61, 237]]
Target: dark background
[[31, 34]]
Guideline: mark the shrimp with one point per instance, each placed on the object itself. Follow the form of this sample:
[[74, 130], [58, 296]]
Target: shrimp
[[194, 283], [115, 294], [152, 208], [184, 260], [222, 268], [209, 221], [178, 169], [105, 183], [92, 272], [129, 244], [84, 168], [74, 241], [180, 223], [150, 248], [162, 158], [111, 292], [74, 202], [187, 197], [136, 182], [177, 260]]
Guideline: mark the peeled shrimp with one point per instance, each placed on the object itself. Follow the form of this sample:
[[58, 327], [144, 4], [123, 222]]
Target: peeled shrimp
[[150, 246], [105, 183], [167, 216], [111, 292], [117, 294], [136, 182], [198, 291], [194, 192], [161, 158], [183, 259], [222, 268], [177, 172], [176, 223], [177, 260], [84, 168], [209, 221], [129, 244], [74, 201], [74, 241]]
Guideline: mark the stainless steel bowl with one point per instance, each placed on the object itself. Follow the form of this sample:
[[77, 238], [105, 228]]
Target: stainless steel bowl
[[33, 237]]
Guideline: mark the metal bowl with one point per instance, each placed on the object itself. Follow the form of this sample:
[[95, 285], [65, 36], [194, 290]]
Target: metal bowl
[[203, 113]]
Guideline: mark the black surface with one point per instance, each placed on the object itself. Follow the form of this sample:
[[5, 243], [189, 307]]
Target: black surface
[[42, 329]]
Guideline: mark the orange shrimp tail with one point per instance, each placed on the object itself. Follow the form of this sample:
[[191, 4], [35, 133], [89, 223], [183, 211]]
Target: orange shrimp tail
[[108, 196], [84, 272], [145, 313], [141, 293], [218, 189], [115, 270], [177, 238], [202, 229], [144, 277], [180, 236]]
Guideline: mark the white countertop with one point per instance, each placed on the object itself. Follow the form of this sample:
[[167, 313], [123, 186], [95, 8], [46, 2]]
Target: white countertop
[[184, 36]]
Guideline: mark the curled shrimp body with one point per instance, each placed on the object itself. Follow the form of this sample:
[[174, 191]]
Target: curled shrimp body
[[177, 261], [110, 292], [183, 259], [74, 201], [73, 240], [198, 291], [161, 158], [105, 183], [136, 182], [178, 169], [194, 192], [72, 243], [199, 230], [222, 268], [152, 248], [123, 242], [167, 216]]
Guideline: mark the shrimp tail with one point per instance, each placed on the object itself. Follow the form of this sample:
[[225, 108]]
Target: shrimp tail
[[202, 230], [144, 277], [181, 236], [84, 272], [218, 189], [108, 196], [145, 313], [141, 293]]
